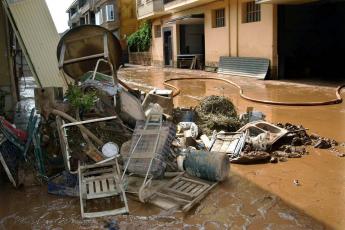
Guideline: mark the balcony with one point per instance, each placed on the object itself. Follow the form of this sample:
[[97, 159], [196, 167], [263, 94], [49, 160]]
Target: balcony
[[74, 19], [171, 6], [85, 8], [294, 2], [150, 9]]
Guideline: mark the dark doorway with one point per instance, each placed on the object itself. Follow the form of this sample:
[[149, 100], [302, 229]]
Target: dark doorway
[[311, 40], [168, 55], [192, 39]]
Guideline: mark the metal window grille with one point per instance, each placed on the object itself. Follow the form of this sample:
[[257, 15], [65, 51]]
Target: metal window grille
[[253, 12], [219, 17], [158, 31]]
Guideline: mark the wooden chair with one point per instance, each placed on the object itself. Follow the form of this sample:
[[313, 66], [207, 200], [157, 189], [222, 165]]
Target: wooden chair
[[101, 181]]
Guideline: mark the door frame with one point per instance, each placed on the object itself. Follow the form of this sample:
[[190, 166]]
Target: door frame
[[166, 29]]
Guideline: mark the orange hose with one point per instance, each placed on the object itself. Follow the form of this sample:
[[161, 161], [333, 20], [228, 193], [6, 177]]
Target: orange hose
[[177, 91]]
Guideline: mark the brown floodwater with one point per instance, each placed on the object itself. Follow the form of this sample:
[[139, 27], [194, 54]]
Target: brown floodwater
[[261, 196]]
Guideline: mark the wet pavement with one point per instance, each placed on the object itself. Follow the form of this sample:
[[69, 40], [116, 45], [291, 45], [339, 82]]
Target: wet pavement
[[259, 196]]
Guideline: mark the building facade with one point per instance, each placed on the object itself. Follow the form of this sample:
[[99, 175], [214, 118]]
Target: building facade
[[292, 34], [117, 16]]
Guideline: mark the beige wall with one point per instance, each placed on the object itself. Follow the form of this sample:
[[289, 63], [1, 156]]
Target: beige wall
[[216, 39], [257, 39], [157, 44], [217, 42]]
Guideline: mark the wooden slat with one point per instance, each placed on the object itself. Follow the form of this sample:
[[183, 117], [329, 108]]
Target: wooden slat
[[185, 185], [111, 185], [189, 188], [105, 185], [177, 185], [196, 189], [98, 186], [91, 188]]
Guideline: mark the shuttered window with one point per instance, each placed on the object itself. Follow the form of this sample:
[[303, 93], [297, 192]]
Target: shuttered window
[[158, 31], [218, 18], [251, 12]]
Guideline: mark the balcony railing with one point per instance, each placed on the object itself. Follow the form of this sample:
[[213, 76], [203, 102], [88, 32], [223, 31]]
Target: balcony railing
[[150, 8]]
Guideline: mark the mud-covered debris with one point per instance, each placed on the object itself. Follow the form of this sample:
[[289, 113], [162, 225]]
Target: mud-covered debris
[[183, 115], [296, 182], [323, 144], [252, 157], [274, 160], [217, 113]]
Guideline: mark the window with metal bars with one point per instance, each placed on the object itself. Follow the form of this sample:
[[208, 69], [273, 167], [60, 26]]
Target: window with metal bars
[[218, 18], [251, 12], [158, 31]]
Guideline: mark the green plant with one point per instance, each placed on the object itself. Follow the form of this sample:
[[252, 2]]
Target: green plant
[[80, 100], [140, 40]]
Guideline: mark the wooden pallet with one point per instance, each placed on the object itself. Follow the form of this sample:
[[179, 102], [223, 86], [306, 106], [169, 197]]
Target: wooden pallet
[[182, 192]]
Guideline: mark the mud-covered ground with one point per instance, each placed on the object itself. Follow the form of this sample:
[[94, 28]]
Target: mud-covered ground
[[262, 196]]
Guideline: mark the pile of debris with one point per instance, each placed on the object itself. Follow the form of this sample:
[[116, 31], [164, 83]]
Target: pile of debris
[[216, 113], [102, 139]]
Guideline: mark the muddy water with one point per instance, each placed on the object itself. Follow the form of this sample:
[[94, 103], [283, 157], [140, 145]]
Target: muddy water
[[254, 197]]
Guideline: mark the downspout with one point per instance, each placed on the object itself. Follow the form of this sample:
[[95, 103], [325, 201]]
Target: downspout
[[237, 25], [229, 15]]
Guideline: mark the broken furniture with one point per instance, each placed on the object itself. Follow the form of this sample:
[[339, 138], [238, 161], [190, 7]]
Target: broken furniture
[[162, 97], [191, 61], [259, 128], [144, 150], [93, 48], [101, 182], [63, 138], [9, 158], [80, 48], [23, 140], [229, 143], [146, 156], [181, 193], [64, 184]]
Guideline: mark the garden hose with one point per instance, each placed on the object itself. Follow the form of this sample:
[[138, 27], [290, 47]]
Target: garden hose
[[337, 100]]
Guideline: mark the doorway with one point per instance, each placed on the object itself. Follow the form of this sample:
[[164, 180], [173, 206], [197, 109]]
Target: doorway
[[167, 46], [311, 40]]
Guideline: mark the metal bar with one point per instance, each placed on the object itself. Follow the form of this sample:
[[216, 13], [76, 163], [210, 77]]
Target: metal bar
[[62, 55], [86, 58], [88, 121]]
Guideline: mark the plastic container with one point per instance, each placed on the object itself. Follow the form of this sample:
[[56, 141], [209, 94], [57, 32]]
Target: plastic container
[[211, 166]]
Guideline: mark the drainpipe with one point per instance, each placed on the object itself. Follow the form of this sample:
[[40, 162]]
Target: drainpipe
[[229, 15], [237, 25]]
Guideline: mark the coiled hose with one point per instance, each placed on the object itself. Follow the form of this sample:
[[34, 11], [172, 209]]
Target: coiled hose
[[177, 91]]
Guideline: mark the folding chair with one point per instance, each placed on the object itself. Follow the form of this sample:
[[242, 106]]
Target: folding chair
[[24, 139], [101, 181], [145, 148]]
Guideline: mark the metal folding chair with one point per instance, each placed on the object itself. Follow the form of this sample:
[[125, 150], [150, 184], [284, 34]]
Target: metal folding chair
[[145, 149], [23, 144], [101, 181]]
